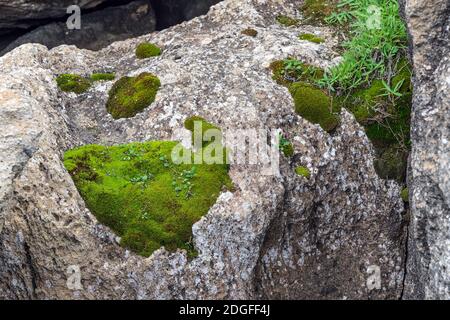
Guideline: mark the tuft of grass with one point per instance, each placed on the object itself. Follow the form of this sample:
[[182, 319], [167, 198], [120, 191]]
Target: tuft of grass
[[103, 76], [146, 199], [147, 50], [303, 172], [131, 95], [287, 21], [378, 41], [250, 32], [311, 38], [73, 83]]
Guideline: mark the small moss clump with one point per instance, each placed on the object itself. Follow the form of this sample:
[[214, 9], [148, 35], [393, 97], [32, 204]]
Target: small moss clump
[[287, 21], [103, 76], [146, 199], [288, 71], [285, 146], [131, 95], [313, 105], [189, 124], [250, 32], [405, 195], [316, 11], [303, 172], [310, 37], [147, 50], [73, 83]]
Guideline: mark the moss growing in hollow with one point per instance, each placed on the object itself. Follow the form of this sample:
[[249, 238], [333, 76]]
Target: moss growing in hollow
[[131, 95], [250, 32], [392, 162], [103, 76], [73, 83], [287, 71], [147, 50], [144, 197], [303, 172], [285, 146], [404, 194], [315, 11], [313, 105], [311, 38], [287, 21]]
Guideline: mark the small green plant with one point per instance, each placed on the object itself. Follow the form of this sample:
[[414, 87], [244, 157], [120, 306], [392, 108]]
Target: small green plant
[[73, 83], [303, 172], [103, 76], [285, 146], [131, 95], [147, 50], [250, 32], [310, 37], [287, 21]]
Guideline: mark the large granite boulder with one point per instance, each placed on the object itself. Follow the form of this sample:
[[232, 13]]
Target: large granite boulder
[[428, 264], [339, 234]]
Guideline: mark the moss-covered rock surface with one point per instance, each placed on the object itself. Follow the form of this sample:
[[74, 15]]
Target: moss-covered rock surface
[[131, 95], [147, 50], [73, 83], [144, 197]]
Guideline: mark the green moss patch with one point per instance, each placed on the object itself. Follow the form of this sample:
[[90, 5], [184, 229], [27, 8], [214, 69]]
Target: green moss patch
[[288, 71], [144, 197], [285, 146], [316, 11], [131, 95], [287, 21], [73, 83], [103, 76], [313, 105], [250, 32], [310, 37], [405, 195], [147, 50], [303, 172]]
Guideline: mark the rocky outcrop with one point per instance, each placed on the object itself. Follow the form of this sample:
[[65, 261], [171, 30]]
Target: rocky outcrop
[[98, 29], [338, 234], [25, 14], [429, 232]]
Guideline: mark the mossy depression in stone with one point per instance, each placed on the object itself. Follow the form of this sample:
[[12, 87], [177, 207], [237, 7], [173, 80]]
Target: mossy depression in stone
[[144, 197], [131, 95], [73, 83]]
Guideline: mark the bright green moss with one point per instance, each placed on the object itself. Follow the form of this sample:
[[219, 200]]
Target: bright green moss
[[285, 146], [147, 50], [144, 197], [287, 21], [73, 83], [303, 172], [313, 105], [103, 76], [315, 11], [131, 95], [405, 195], [310, 37], [250, 32]]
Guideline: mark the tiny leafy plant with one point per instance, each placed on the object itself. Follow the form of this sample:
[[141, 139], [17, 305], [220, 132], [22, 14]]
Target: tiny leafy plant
[[147, 50], [131, 95], [285, 146]]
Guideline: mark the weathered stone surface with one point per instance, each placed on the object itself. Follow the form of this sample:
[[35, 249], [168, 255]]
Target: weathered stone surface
[[341, 221], [429, 232], [98, 29]]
